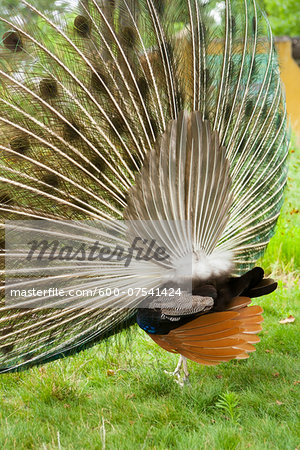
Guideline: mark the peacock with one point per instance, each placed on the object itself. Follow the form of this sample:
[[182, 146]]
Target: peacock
[[141, 121]]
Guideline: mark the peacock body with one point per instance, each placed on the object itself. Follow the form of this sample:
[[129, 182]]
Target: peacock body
[[170, 115]]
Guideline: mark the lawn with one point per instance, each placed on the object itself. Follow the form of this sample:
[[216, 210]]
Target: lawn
[[116, 395]]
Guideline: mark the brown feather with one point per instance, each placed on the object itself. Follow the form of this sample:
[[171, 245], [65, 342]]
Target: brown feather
[[207, 320], [218, 344], [159, 340], [239, 302], [250, 311], [216, 337]]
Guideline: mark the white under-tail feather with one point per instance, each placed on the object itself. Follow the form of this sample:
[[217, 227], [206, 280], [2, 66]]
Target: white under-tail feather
[[184, 194]]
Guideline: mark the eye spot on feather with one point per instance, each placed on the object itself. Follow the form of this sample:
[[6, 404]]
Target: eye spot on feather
[[98, 82], [233, 25], [169, 49], [134, 163], [7, 348], [227, 112], [28, 356], [51, 179], [48, 88], [70, 132], [82, 26], [51, 338], [20, 144], [12, 41], [6, 330], [152, 125], [99, 164], [207, 76], [179, 99], [143, 86], [254, 25], [278, 121], [249, 108], [254, 67], [159, 6], [242, 144], [5, 199], [118, 124], [128, 36], [81, 204], [265, 110]]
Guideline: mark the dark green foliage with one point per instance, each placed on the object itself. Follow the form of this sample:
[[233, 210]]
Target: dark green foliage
[[284, 16]]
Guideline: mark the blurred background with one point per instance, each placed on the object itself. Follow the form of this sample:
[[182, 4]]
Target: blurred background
[[284, 17]]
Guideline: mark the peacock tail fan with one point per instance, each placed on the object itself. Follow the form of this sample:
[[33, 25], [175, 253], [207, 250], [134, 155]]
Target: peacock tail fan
[[152, 110]]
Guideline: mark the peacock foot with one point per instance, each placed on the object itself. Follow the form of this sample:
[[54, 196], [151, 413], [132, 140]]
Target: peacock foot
[[181, 373]]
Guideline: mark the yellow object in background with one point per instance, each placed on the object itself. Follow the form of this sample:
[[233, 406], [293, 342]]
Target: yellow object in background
[[290, 75]]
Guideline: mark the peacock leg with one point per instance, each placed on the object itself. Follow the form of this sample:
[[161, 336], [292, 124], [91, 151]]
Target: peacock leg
[[185, 370], [181, 366]]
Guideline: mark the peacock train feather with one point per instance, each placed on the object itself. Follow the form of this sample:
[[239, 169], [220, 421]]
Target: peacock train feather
[[169, 114]]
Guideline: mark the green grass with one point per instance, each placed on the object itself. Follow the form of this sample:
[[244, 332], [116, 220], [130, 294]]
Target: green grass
[[117, 396], [283, 252]]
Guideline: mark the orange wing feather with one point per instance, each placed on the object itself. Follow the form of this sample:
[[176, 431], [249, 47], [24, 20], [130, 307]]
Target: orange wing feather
[[220, 336]]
